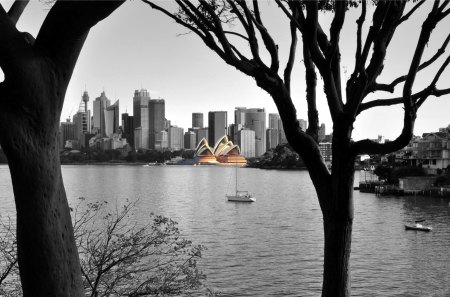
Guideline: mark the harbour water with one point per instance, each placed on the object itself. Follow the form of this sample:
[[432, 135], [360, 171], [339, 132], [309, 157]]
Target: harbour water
[[274, 247]]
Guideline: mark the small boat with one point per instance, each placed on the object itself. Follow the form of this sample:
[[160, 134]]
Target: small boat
[[418, 227], [240, 196]]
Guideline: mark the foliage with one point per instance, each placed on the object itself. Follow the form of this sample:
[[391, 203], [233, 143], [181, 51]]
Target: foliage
[[119, 256], [442, 180], [99, 156], [281, 157], [391, 175], [9, 272]]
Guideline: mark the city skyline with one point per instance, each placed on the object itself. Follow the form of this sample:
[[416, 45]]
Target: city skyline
[[179, 68]]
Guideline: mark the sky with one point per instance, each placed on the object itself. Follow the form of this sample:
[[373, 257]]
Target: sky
[[137, 47]]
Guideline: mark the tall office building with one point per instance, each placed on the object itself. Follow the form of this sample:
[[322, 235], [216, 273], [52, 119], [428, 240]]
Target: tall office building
[[127, 128], [217, 126], [162, 140], [303, 124], [157, 118], [274, 121], [246, 139], [202, 133], [67, 132], [322, 132], [141, 118], [197, 120], [190, 140], [176, 138], [239, 116], [281, 136], [255, 119], [272, 138], [82, 121], [100, 104], [112, 119]]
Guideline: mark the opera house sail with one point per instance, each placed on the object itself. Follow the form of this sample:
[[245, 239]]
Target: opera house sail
[[224, 152]]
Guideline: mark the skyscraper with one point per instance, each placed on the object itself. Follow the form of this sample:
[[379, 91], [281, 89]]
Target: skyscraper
[[303, 124], [246, 139], [255, 119], [197, 120], [67, 132], [157, 117], [82, 121], [322, 132], [202, 133], [100, 104], [274, 121], [112, 119], [176, 138], [189, 140], [141, 118], [272, 138], [128, 128], [217, 125], [239, 116]]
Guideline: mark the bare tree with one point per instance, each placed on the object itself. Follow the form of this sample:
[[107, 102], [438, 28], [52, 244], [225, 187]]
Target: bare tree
[[37, 73], [119, 255], [321, 52], [9, 276]]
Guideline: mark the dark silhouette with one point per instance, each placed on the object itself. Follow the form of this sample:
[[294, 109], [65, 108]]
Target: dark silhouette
[[334, 189], [37, 72]]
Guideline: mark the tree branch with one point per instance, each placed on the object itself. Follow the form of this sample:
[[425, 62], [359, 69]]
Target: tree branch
[[269, 43], [390, 87], [65, 29], [291, 59], [407, 16], [12, 44], [17, 9], [359, 23]]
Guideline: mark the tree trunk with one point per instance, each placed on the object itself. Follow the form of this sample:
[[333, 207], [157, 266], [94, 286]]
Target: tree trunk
[[338, 220], [47, 253]]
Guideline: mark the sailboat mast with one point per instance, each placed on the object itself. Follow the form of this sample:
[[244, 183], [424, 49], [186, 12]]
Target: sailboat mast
[[235, 160]]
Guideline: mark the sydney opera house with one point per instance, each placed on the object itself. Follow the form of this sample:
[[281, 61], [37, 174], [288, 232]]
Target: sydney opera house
[[223, 153]]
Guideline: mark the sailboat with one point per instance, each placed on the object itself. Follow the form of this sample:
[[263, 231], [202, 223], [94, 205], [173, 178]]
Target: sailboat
[[240, 196]]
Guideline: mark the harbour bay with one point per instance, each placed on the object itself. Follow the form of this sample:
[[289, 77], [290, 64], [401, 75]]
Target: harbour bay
[[274, 247]]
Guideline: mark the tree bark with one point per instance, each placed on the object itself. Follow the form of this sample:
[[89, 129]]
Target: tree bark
[[48, 257], [37, 73], [338, 216]]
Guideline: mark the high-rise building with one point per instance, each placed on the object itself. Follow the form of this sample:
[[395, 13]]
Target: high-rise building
[[100, 104], [274, 121], [112, 119], [176, 138], [272, 136], [190, 140], [322, 132], [303, 124], [239, 116], [82, 121], [162, 140], [281, 136], [217, 125], [141, 118], [157, 118], [246, 140], [67, 132], [197, 120], [255, 119], [128, 128], [202, 133]]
